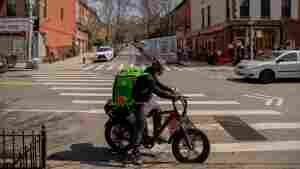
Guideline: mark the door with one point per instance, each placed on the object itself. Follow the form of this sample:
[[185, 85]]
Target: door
[[289, 65]]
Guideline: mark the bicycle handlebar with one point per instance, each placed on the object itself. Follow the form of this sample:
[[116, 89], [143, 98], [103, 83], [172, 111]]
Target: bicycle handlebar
[[183, 100]]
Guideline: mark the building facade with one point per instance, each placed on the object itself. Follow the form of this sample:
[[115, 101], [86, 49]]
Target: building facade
[[57, 28], [183, 23], [262, 24], [15, 29]]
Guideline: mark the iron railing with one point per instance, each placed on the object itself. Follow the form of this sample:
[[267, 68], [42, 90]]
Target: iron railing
[[22, 150]]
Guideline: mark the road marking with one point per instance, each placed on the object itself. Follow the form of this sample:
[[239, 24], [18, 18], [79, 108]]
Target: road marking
[[232, 112], [270, 126], [110, 67], [78, 84], [121, 66], [73, 73], [99, 67], [78, 80], [86, 94], [89, 67], [262, 146], [259, 126], [256, 126], [164, 102], [81, 88], [269, 100], [167, 68], [178, 69], [93, 111], [65, 77]]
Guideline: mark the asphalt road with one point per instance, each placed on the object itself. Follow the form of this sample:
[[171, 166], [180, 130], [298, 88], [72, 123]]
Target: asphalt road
[[250, 125]]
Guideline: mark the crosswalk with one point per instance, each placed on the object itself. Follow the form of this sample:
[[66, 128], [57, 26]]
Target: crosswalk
[[89, 89], [117, 66]]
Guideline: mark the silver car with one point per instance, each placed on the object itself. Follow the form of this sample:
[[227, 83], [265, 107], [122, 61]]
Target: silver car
[[271, 66]]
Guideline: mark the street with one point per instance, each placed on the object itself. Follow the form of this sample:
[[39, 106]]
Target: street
[[249, 125]]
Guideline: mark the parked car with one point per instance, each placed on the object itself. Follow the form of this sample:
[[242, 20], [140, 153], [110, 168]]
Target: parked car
[[3, 64], [104, 53], [270, 66]]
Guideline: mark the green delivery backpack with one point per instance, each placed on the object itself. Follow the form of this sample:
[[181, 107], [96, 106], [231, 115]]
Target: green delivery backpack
[[122, 95]]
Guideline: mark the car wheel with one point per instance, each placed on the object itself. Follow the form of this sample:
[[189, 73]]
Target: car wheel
[[267, 76]]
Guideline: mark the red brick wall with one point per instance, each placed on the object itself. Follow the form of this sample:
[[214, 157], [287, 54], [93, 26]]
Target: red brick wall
[[59, 32], [294, 31]]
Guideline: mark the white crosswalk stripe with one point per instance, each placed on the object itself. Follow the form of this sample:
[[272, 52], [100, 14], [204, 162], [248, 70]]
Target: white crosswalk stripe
[[100, 67]]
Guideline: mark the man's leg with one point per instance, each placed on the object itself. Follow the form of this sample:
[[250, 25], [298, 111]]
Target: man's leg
[[138, 133]]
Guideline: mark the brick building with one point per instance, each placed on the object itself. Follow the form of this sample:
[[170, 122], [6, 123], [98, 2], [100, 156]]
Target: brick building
[[183, 23], [264, 23], [86, 21], [15, 28], [57, 27]]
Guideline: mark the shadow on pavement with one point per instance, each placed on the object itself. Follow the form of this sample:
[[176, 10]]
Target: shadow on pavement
[[87, 153]]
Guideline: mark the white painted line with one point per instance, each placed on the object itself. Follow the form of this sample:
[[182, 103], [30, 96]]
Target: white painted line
[[131, 65], [256, 146], [86, 94], [89, 67], [166, 102], [93, 111], [50, 76], [256, 97], [121, 67], [258, 94], [205, 102], [269, 102], [78, 80], [273, 126], [167, 68], [81, 88], [232, 112], [89, 101], [66, 73], [263, 146], [279, 101], [99, 67], [79, 84], [65, 77], [110, 67], [195, 95]]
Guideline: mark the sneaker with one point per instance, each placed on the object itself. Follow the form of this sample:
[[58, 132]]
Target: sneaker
[[136, 157]]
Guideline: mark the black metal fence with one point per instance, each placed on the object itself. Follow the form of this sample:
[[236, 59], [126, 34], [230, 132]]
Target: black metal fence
[[20, 150]]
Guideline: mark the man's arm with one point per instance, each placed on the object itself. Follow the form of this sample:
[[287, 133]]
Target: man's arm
[[159, 92], [162, 86]]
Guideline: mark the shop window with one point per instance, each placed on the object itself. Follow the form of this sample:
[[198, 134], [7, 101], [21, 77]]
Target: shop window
[[244, 8], [265, 8], [11, 8]]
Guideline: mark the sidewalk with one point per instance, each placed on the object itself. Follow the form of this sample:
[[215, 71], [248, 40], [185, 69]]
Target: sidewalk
[[70, 64], [206, 66]]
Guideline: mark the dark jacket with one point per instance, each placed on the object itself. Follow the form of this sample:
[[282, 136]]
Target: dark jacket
[[148, 85]]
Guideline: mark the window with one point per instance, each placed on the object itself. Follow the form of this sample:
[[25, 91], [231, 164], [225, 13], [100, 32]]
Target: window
[[227, 10], [265, 8], [208, 16], [27, 8], [203, 17], [244, 8], [61, 13], [286, 8], [291, 57], [45, 8], [11, 8]]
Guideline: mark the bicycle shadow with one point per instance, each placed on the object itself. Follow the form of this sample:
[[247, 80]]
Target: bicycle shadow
[[87, 153]]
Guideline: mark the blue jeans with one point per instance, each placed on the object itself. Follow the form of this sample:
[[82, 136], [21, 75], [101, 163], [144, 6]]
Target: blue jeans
[[140, 115]]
